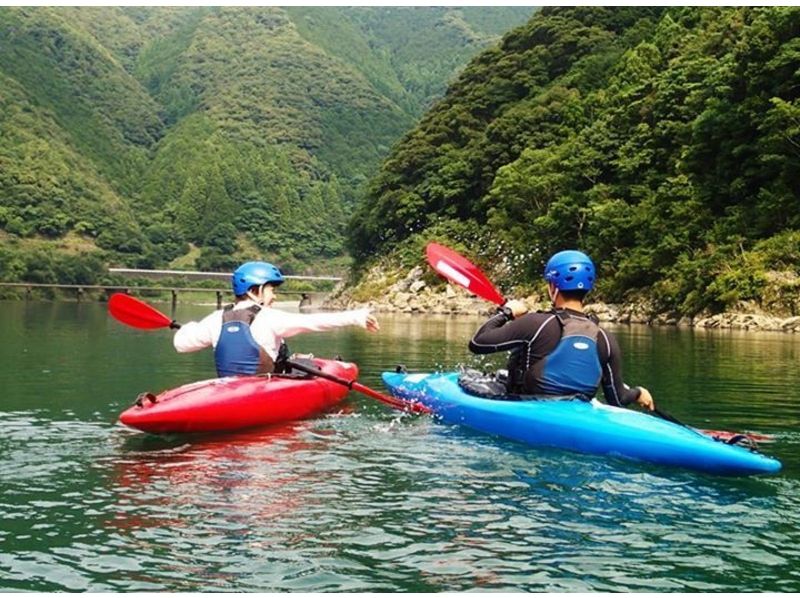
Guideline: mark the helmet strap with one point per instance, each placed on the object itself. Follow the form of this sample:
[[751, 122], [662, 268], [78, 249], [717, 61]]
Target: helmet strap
[[259, 299], [552, 290]]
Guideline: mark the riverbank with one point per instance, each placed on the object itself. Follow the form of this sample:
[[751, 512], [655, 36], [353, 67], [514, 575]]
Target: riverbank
[[415, 292]]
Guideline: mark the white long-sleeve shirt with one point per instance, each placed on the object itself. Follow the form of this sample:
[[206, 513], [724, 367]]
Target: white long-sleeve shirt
[[269, 327]]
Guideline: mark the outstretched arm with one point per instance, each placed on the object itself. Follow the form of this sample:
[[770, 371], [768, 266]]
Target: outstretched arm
[[288, 324]]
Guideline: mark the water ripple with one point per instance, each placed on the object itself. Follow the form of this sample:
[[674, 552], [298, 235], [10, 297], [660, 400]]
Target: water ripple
[[369, 500]]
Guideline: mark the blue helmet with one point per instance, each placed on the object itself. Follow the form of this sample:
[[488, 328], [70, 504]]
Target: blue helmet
[[255, 274], [570, 271]]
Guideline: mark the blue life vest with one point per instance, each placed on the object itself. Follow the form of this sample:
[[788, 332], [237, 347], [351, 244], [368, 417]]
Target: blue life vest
[[237, 353], [573, 367]]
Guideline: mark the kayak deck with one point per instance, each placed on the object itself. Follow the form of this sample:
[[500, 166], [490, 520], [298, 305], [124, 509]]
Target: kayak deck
[[237, 402], [586, 427]]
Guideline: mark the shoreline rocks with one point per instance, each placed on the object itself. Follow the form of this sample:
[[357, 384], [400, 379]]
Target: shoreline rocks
[[418, 293], [394, 293]]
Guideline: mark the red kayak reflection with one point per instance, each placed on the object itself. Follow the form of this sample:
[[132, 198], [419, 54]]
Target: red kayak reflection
[[231, 477]]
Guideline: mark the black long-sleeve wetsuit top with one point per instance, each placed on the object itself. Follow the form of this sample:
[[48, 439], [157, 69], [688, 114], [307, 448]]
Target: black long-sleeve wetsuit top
[[533, 336]]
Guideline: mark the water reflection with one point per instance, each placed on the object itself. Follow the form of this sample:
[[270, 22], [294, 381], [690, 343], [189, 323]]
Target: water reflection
[[216, 494], [732, 378]]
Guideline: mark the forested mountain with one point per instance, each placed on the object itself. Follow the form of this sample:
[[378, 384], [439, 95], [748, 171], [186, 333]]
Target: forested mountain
[[203, 136], [408, 54], [665, 142]]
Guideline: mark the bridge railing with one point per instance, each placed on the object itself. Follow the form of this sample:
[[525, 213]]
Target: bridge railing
[[221, 292], [81, 289], [204, 275]]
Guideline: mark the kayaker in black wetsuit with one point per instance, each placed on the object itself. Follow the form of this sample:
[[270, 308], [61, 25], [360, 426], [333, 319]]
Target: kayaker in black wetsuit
[[561, 352]]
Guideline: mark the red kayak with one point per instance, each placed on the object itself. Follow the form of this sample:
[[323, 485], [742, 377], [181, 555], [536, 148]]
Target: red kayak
[[236, 402]]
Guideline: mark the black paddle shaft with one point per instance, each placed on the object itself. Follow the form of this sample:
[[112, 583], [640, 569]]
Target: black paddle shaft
[[316, 372]]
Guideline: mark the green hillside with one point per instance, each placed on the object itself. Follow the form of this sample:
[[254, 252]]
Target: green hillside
[[266, 124], [664, 142], [75, 131], [409, 54], [143, 136]]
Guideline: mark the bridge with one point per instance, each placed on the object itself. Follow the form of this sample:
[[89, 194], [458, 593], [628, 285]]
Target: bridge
[[221, 292], [197, 275], [305, 296]]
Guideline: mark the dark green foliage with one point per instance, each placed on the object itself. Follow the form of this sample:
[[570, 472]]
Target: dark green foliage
[[166, 241], [45, 265], [408, 54], [214, 260], [662, 141], [246, 132]]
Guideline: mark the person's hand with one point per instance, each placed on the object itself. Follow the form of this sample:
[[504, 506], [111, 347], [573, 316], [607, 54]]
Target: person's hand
[[645, 399], [372, 323], [517, 307]]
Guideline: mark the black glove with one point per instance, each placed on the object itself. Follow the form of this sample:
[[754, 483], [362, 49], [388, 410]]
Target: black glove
[[506, 311]]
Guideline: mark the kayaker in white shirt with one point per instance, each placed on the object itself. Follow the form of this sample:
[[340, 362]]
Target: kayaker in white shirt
[[247, 336]]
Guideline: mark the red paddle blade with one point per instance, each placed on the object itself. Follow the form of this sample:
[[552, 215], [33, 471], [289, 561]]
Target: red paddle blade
[[458, 269], [136, 313], [724, 436]]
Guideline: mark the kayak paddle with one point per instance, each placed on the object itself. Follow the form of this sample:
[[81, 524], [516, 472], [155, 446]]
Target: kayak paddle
[[138, 314], [458, 269], [720, 435]]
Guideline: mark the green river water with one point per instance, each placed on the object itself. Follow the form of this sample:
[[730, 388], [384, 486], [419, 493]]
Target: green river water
[[365, 499]]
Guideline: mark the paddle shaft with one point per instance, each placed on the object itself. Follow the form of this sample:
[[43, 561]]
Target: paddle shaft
[[668, 417], [672, 419], [410, 406]]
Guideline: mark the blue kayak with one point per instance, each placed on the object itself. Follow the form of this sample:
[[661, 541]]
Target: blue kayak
[[586, 427]]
